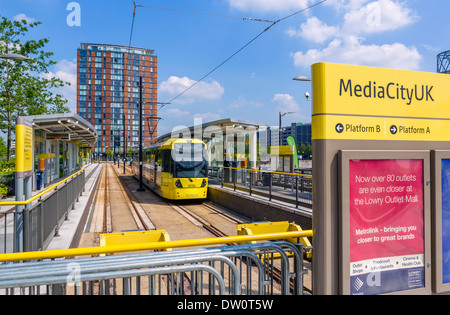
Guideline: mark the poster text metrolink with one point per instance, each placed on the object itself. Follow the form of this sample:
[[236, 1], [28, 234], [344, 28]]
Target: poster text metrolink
[[392, 91]]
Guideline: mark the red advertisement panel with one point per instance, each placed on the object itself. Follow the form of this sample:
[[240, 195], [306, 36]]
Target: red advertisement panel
[[386, 225]]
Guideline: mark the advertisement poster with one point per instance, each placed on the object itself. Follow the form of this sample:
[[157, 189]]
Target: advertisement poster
[[445, 177], [386, 226]]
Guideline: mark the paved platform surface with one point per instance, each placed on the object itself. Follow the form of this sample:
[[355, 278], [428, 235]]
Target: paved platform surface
[[70, 230]]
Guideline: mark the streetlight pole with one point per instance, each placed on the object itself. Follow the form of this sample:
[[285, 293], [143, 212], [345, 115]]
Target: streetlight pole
[[21, 181], [124, 139], [14, 57], [279, 130]]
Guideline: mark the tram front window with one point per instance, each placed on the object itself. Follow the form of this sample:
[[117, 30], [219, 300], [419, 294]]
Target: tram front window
[[189, 160], [190, 169]]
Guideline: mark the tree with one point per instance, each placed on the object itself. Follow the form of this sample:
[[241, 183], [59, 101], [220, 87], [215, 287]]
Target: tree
[[2, 149], [26, 88], [302, 148], [308, 149]]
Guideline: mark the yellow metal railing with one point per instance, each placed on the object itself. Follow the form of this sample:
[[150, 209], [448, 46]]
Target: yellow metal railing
[[142, 237], [274, 227], [126, 238], [74, 252], [265, 171], [25, 202], [304, 179]]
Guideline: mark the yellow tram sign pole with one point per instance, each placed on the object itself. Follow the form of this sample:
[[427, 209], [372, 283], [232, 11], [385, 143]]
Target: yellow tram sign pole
[[23, 177]]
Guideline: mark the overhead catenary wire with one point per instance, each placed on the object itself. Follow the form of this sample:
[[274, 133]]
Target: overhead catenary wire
[[132, 25], [239, 50], [205, 13], [221, 64]]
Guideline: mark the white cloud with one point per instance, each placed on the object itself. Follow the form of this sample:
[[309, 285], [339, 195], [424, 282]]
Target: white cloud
[[176, 112], [21, 16], [242, 102], [66, 71], [287, 103], [210, 90], [207, 116], [314, 30], [268, 5], [346, 4], [348, 42], [377, 17], [353, 51]]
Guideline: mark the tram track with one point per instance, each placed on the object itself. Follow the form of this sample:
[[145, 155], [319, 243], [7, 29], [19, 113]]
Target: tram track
[[114, 209], [274, 270], [191, 211], [119, 200], [119, 213], [141, 218], [106, 204], [204, 223]]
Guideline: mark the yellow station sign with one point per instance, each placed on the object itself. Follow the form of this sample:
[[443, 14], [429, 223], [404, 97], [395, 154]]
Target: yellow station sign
[[24, 148], [365, 103]]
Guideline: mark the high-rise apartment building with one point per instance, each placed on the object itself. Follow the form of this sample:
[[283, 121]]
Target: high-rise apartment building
[[108, 94]]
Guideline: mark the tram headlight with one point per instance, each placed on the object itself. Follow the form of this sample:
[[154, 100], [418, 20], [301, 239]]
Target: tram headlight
[[203, 183], [178, 184]]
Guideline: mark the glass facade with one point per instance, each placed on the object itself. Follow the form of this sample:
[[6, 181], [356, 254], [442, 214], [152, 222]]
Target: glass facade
[[301, 134], [108, 94]]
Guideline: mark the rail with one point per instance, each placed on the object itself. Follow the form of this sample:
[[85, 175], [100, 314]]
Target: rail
[[37, 196], [233, 270], [289, 187], [88, 251], [34, 227]]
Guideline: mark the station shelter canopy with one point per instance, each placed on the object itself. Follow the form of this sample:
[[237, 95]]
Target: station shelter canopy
[[70, 124], [222, 124], [58, 146], [226, 139]]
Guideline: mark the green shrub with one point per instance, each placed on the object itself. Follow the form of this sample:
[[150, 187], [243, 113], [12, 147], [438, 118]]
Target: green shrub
[[3, 190], [7, 184], [6, 167]]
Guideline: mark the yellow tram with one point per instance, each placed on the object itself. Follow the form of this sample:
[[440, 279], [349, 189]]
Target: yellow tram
[[175, 169]]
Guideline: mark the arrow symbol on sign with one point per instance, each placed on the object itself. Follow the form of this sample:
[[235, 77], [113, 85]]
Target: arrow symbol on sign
[[393, 130], [339, 128]]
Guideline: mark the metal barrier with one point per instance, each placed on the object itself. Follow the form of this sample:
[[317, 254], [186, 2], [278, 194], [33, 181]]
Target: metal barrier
[[229, 270], [275, 227], [289, 187], [41, 219]]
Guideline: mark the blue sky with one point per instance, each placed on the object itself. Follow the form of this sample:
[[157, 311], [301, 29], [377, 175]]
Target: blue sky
[[257, 83]]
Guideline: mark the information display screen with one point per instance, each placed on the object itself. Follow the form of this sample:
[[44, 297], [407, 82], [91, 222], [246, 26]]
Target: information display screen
[[386, 226]]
